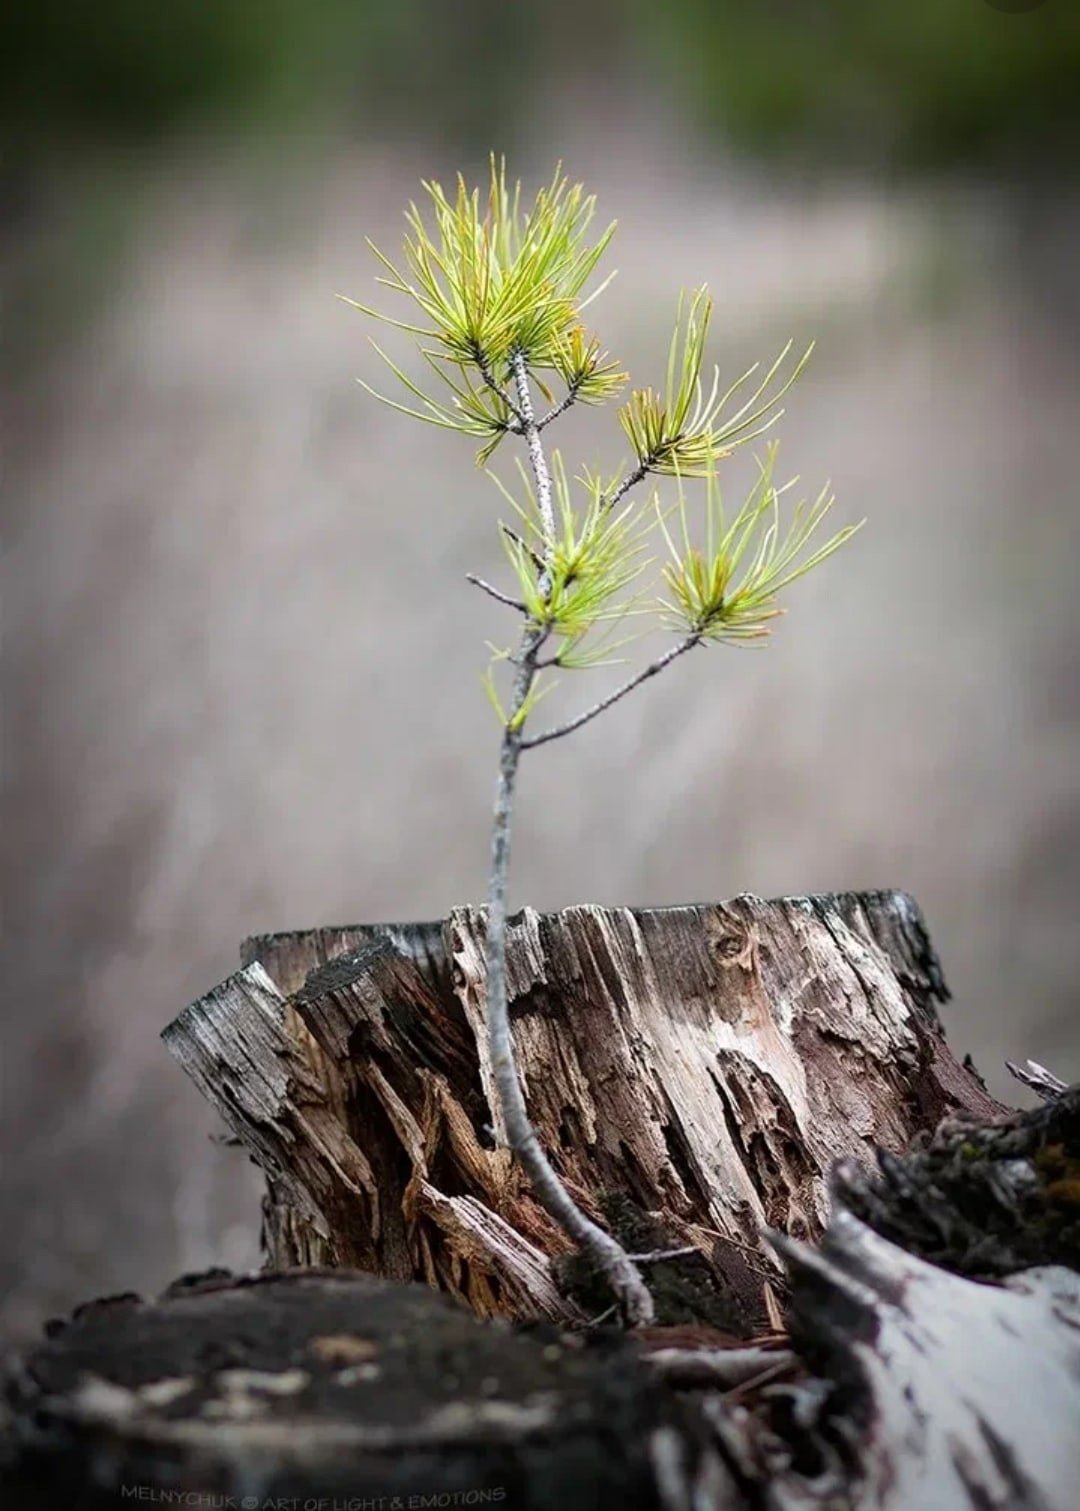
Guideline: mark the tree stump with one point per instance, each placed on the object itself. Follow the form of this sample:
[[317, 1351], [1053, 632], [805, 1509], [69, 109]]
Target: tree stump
[[693, 1073]]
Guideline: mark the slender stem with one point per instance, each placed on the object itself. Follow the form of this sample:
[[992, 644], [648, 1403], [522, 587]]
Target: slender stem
[[606, 1253], [631, 480], [496, 593], [651, 670], [484, 369], [537, 459], [557, 409]]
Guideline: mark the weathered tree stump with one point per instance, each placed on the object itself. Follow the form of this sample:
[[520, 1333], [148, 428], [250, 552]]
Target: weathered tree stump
[[693, 1073]]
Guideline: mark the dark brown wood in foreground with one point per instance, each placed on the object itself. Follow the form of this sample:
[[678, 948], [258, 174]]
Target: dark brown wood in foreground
[[693, 1073], [335, 1388]]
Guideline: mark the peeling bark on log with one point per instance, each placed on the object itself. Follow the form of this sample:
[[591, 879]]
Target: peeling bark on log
[[692, 1072], [925, 1388], [940, 1392]]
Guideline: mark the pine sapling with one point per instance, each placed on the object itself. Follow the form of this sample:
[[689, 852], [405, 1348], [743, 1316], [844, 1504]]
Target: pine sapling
[[497, 293]]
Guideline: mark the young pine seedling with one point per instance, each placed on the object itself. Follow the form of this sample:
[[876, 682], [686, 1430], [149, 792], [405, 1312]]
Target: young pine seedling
[[494, 294]]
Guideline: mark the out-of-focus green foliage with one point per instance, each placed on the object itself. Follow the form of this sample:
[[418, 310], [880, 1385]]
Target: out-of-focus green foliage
[[913, 82], [128, 69], [124, 66]]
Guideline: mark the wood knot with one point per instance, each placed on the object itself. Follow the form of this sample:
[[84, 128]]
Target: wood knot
[[729, 943], [728, 946]]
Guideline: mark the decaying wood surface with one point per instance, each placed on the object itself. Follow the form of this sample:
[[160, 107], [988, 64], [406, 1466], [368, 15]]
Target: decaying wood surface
[[960, 1395], [336, 1390], [881, 1309], [902, 1385], [692, 1072], [926, 1387]]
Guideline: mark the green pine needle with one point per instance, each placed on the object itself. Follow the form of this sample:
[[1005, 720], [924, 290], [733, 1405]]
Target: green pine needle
[[685, 430], [729, 591], [490, 280], [594, 555]]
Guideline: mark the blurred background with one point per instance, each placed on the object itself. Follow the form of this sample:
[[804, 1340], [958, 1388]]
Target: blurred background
[[241, 665]]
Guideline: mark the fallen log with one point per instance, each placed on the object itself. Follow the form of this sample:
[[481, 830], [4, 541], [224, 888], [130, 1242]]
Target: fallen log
[[693, 1073], [925, 1388]]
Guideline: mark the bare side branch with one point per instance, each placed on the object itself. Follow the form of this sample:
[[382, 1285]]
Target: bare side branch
[[631, 480], [628, 686], [496, 593], [557, 409]]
